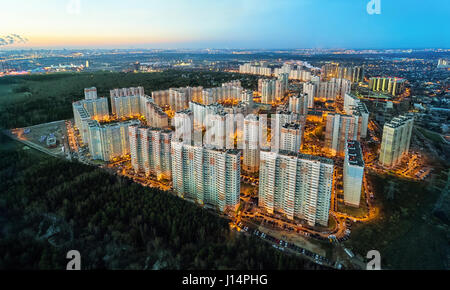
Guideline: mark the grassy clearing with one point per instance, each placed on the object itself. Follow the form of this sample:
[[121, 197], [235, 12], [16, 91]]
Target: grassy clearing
[[359, 212]]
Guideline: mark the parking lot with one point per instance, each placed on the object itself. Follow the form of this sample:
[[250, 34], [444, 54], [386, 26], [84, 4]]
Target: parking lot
[[283, 245]]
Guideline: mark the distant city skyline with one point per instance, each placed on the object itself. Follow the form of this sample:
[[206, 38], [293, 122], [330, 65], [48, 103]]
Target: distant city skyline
[[233, 24]]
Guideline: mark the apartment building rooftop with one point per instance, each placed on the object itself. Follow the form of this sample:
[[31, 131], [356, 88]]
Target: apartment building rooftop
[[185, 111], [304, 156], [399, 121], [119, 123], [354, 153], [292, 125]]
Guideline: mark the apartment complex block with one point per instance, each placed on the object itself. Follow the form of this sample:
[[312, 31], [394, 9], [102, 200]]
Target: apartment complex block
[[251, 144], [296, 185], [228, 91], [392, 86], [177, 98], [109, 141], [261, 69], [396, 140], [272, 90], [90, 93], [291, 136], [208, 176], [128, 93], [150, 151], [91, 108], [334, 70], [353, 106], [300, 103], [339, 129], [326, 90], [353, 173], [294, 73]]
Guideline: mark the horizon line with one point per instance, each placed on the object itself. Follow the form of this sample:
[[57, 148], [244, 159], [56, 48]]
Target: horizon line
[[223, 48]]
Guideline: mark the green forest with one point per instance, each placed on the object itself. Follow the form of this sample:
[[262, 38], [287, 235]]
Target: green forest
[[49, 206]]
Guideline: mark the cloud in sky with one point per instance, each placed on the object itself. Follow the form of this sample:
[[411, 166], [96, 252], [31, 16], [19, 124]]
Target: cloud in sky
[[11, 39]]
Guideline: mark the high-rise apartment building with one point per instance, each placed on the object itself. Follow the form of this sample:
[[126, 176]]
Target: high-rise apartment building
[[216, 130], [396, 140], [247, 97], [294, 73], [339, 129], [354, 106], [281, 118], [310, 89], [126, 106], [291, 136], [208, 176], [90, 93], [114, 94], [230, 91], [109, 141], [183, 121], [97, 108], [392, 86], [272, 90], [282, 85], [443, 63], [299, 104], [267, 87], [261, 69], [333, 88], [91, 108], [358, 74], [81, 117], [296, 185], [177, 98], [154, 115], [353, 173], [150, 151], [132, 102], [335, 70], [251, 144]]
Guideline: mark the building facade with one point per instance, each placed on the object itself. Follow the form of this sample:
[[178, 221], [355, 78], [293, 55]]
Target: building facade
[[354, 106], [291, 137], [208, 176], [396, 140], [392, 86], [251, 146], [150, 151], [339, 129], [109, 141], [296, 186], [353, 173]]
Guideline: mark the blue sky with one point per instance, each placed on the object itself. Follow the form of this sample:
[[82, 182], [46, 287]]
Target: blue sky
[[261, 24]]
